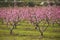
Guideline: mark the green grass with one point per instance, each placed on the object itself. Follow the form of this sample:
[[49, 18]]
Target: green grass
[[26, 31]]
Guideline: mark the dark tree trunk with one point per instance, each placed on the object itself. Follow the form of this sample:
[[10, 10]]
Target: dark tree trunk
[[11, 30], [41, 34], [39, 30], [36, 27], [14, 26]]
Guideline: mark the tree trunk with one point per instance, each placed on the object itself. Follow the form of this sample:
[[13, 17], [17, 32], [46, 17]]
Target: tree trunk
[[41, 34], [7, 24], [53, 24], [39, 30], [36, 27], [14, 26], [2, 21], [11, 31]]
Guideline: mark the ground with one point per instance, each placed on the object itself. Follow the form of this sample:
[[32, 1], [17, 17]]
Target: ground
[[26, 31]]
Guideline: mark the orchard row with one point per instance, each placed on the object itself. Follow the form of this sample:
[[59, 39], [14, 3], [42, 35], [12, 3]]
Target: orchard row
[[32, 14]]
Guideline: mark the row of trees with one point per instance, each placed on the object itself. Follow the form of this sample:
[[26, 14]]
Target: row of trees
[[30, 4], [35, 15]]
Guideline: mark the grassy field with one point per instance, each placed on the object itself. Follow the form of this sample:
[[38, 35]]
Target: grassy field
[[26, 31]]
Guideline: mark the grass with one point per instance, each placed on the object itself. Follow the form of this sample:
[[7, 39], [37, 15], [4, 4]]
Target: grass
[[26, 31]]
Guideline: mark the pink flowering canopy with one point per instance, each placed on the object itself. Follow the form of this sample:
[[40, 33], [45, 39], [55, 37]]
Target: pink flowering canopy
[[30, 13]]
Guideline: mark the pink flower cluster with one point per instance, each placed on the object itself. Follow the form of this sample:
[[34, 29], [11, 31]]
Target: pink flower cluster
[[29, 13]]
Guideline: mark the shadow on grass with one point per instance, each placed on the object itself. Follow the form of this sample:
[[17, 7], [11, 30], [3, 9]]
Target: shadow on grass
[[31, 36]]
